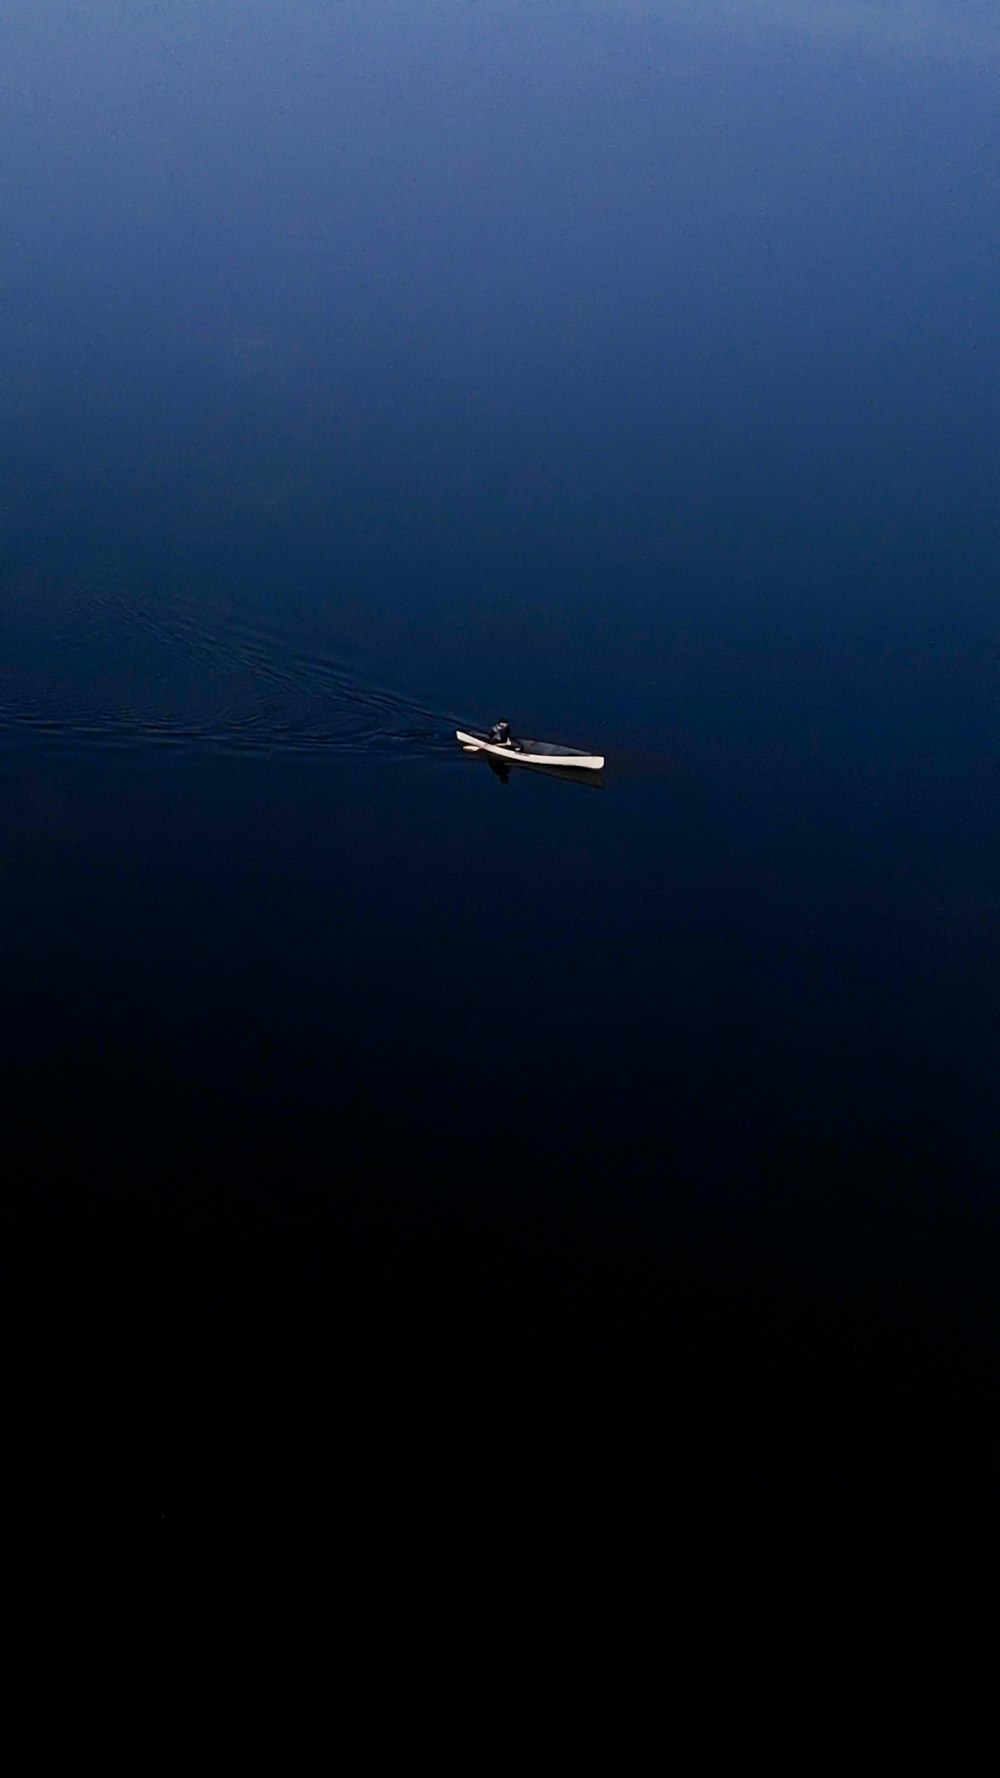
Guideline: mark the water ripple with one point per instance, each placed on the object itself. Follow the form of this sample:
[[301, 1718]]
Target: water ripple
[[101, 667]]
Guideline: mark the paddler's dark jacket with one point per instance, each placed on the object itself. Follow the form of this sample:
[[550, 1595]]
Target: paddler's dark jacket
[[500, 734]]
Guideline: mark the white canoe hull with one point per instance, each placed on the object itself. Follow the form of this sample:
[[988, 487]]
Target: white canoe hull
[[574, 762]]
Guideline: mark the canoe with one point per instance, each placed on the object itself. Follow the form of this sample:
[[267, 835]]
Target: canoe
[[534, 753]]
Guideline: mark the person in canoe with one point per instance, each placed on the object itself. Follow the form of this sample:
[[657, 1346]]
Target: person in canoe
[[500, 736]]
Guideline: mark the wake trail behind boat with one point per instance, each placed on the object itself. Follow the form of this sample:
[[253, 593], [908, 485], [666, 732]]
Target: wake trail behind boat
[[107, 669]]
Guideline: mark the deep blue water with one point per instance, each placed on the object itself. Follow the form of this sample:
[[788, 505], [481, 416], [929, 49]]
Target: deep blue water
[[485, 1251]]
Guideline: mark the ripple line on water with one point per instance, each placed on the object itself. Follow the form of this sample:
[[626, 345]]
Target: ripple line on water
[[235, 682]]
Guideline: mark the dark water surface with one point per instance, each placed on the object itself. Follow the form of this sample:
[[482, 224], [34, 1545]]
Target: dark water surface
[[499, 1267]]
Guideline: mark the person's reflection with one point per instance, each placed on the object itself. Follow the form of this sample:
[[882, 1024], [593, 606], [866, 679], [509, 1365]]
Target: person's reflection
[[498, 767]]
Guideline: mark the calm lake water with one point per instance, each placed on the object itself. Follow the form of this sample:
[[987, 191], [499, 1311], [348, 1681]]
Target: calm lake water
[[491, 1253]]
